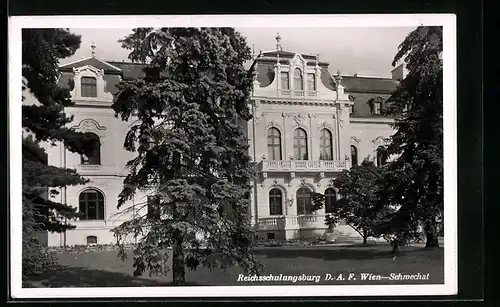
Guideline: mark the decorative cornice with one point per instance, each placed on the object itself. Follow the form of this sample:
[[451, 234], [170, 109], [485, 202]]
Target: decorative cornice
[[325, 125], [355, 139], [292, 101], [89, 124]]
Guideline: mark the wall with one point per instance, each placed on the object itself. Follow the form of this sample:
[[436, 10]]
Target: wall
[[368, 134], [287, 118]]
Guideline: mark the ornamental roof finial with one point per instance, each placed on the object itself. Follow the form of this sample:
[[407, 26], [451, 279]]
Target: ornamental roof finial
[[278, 42], [93, 49]]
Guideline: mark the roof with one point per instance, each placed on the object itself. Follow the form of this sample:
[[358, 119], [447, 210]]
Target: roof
[[95, 62], [369, 84], [264, 65], [130, 70], [127, 70]]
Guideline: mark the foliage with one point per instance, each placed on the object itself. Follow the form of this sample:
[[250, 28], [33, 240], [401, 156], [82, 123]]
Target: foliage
[[359, 206], [318, 202], [191, 149], [414, 180], [44, 121]]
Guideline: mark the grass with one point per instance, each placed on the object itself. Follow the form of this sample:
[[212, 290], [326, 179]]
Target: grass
[[104, 269]]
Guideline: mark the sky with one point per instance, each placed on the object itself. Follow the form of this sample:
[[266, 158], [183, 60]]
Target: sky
[[362, 50]]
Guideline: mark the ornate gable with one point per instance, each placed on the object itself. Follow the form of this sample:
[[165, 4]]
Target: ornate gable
[[90, 71]]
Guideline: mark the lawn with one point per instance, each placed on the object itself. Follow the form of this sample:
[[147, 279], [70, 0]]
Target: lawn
[[104, 269]]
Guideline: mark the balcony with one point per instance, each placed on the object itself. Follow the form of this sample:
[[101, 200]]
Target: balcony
[[302, 166], [297, 93], [291, 222]]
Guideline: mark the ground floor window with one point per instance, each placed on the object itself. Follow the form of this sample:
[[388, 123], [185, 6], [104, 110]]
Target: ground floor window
[[330, 199], [304, 201], [91, 205], [275, 202]]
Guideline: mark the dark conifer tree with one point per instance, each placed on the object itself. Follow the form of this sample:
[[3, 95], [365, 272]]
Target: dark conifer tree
[[192, 151]]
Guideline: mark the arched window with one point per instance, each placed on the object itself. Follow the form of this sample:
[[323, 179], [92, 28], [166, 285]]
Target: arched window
[[300, 144], [304, 201], [274, 144], [275, 202], [285, 80], [325, 145], [354, 155], [89, 87], [297, 80], [330, 199], [381, 156], [311, 82], [91, 205], [93, 157]]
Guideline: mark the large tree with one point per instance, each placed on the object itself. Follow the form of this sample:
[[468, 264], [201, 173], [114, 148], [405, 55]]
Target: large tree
[[192, 152], [358, 206], [45, 121], [414, 181]]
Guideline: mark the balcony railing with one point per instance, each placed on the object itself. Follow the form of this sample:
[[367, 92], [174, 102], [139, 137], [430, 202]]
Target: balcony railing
[[90, 167], [297, 93], [291, 222], [302, 165]]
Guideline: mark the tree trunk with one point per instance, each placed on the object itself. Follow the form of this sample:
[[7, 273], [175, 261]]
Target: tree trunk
[[365, 237], [431, 240], [178, 264], [395, 246], [431, 234]]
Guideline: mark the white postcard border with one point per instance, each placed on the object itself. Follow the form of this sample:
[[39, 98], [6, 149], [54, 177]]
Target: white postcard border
[[448, 21]]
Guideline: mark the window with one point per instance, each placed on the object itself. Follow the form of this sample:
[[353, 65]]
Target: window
[[274, 144], [285, 81], [311, 82], [325, 145], [154, 212], [91, 240], [354, 155], [300, 144], [376, 107], [91, 205], [304, 201], [94, 156], [330, 199], [381, 156], [89, 87], [297, 80], [275, 202]]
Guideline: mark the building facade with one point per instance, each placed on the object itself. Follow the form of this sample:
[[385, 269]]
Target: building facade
[[308, 126]]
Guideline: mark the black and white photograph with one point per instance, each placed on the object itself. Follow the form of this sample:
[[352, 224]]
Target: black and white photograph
[[224, 156]]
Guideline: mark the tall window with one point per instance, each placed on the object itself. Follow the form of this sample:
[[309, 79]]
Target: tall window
[[297, 80], [354, 155], [89, 87], [94, 156], [285, 81], [274, 144], [376, 107], [275, 202], [311, 82], [91, 205], [304, 201], [330, 199], [325, 145], [300, 144], [381, 156]]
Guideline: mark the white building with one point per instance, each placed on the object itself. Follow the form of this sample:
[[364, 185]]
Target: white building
[[308, 126]]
